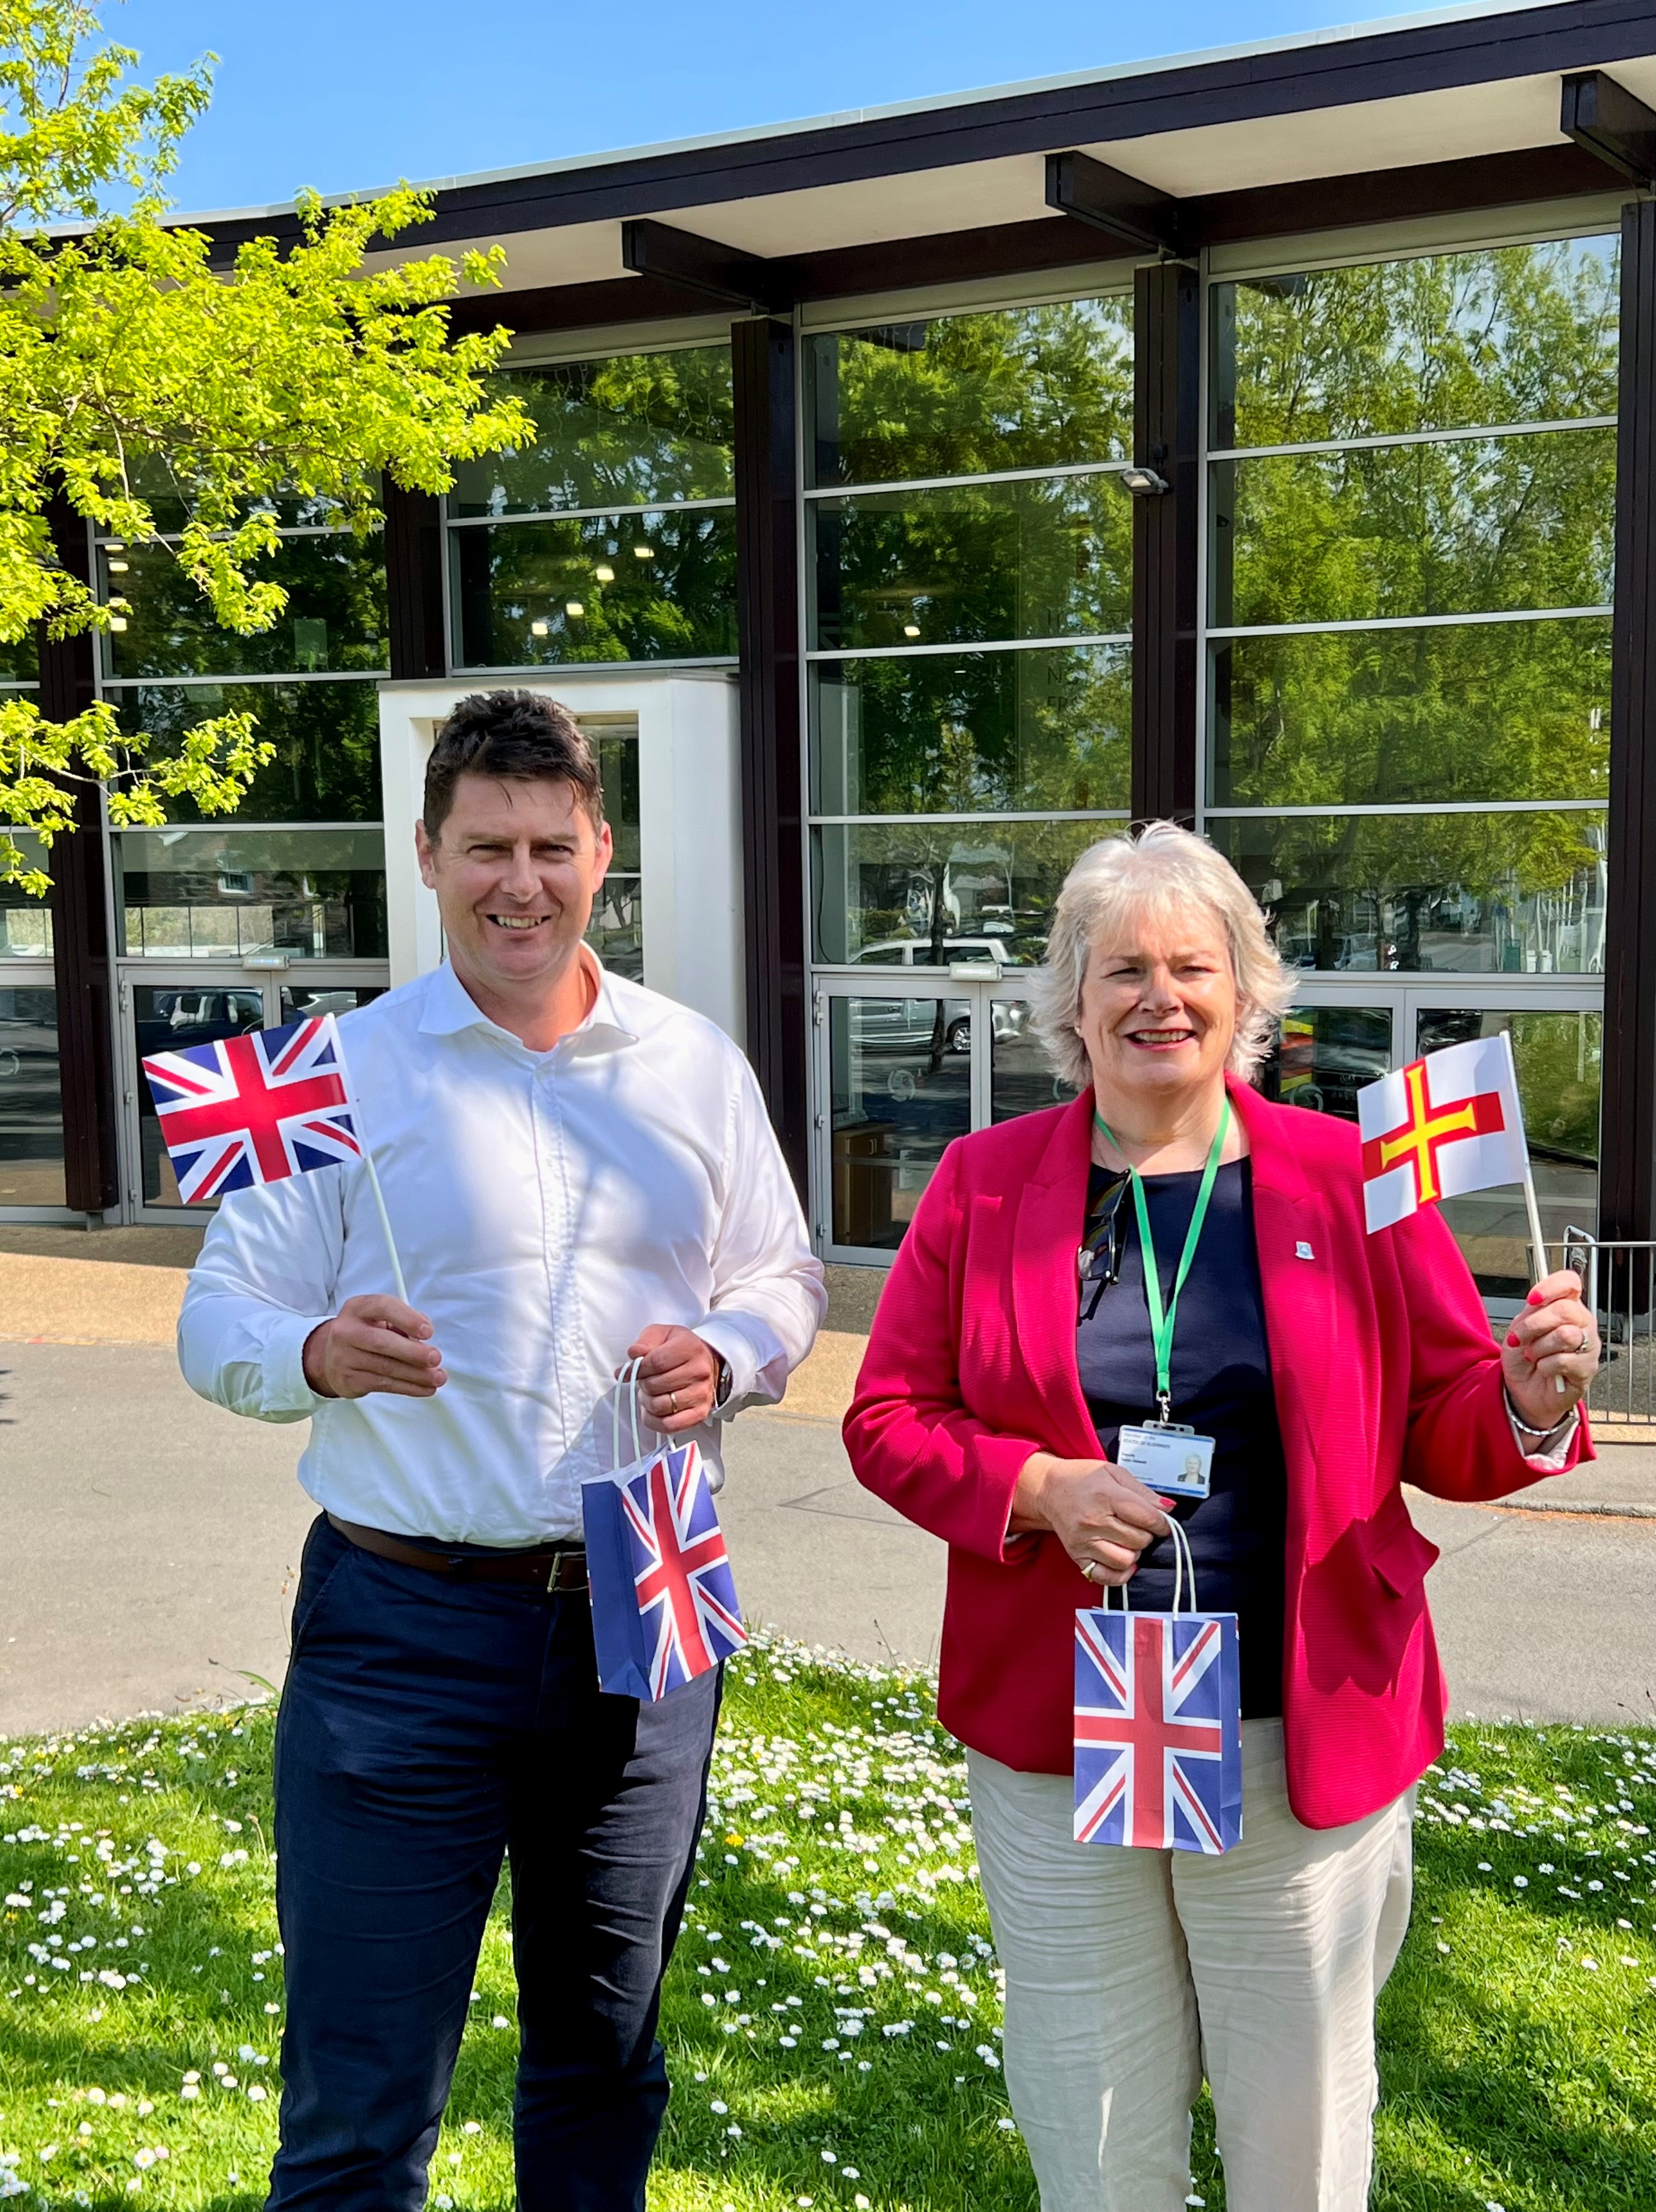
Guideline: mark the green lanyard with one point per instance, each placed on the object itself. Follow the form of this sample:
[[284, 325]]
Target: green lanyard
[[1161, 1324]]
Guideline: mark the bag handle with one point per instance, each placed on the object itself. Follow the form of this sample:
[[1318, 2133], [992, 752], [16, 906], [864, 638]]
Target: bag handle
[[627, 1380], [1183, 1564]]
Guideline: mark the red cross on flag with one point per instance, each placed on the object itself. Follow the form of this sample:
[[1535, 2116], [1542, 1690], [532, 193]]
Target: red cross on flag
[[1439, 1127]]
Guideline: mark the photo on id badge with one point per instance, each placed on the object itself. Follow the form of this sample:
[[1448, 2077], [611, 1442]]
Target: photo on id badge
[[1173, 1462]]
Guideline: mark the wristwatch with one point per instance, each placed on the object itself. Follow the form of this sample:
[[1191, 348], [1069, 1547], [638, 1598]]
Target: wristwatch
[[725, 1383]]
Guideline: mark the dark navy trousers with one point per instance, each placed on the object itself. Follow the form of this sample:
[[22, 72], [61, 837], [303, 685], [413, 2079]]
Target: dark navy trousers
[[428, 1729]]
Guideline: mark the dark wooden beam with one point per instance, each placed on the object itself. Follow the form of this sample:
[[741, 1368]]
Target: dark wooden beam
[[1167, 424], [1610, 123], [419, 641], [1132, 214], [701, 265], [767, 588], [80, 932], [1626, 1178], [1012, 249]]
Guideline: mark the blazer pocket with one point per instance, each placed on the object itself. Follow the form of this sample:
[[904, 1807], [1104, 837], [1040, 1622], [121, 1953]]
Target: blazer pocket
[[1400, 1555]]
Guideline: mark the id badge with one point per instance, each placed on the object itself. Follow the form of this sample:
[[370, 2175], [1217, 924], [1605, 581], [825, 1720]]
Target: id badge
[[1172, 1460]]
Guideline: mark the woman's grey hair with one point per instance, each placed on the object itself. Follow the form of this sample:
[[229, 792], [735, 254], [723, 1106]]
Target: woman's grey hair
[[1162, 871]]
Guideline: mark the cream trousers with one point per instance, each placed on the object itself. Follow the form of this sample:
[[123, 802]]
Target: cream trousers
[[1131, 1974]]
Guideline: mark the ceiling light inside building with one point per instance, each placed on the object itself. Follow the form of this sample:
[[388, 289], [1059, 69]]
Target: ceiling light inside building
[[604, 573], [574, 607], [643, 552], [118, 567], [910, 629], [118, 622], [540, 630]]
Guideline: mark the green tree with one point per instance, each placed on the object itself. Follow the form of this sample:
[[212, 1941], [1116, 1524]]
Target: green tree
[[153, 391]]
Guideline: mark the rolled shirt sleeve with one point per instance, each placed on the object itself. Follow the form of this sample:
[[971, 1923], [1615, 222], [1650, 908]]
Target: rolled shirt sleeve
[[266, 1279]]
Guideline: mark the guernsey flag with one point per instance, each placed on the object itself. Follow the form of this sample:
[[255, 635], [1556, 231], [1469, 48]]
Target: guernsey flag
[[1439, 1127]]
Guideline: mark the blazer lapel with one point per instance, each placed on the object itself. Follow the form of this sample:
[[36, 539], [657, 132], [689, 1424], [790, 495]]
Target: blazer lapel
[[1051, 1215], [1296, 1277]]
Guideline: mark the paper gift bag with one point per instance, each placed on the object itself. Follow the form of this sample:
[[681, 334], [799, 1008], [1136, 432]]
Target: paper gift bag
[[1159, 1724], [663, 1598]]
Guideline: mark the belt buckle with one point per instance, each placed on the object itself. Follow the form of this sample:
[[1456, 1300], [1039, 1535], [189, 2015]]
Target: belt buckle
[[554, 1586]]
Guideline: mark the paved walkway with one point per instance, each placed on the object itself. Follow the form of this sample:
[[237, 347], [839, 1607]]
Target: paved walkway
[[151, 1542]]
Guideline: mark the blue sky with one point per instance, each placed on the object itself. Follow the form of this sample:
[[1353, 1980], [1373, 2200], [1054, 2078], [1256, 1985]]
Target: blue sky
[[345, 94]]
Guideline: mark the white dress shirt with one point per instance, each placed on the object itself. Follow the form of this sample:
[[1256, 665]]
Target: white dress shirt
[[547, 1207]]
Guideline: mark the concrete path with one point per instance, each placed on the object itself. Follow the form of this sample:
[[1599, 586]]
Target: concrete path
[[149, 1545]]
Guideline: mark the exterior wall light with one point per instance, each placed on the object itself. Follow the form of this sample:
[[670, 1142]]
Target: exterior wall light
[[1143, 484]]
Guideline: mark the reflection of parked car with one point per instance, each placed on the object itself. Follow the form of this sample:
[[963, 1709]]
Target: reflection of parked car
[[1323, 1061], [916, 951]]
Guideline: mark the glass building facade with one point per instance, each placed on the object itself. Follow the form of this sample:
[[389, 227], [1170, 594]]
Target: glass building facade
[[1407, 490]]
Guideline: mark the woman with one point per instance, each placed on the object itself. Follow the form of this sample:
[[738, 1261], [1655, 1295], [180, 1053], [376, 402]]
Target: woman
[[1328, 1367]]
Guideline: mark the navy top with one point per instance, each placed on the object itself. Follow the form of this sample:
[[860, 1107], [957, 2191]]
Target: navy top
[[1221, 1387]]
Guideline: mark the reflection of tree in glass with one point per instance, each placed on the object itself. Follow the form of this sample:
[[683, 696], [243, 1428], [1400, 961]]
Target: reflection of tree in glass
[[623, 587], [1016, 732], [1522, 334], [615, 433], [975, 562], [966, 395], [326, 738]]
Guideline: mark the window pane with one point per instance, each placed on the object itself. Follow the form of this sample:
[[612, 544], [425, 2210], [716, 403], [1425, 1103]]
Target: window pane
[[335, 618], [171, 1018], [969, 732], [1324, 1055], [1021, 1079], [31, 1100], [617, 587], [221, 894], [25, 922], [326, 738], [972, 562], [901, 1091], [616, 932], [1493, 710], [967, 395], [1462, 528], [1559, 1059], [1522, 334], [956, 891], [1485, 894], [20, 660], [626, 432]]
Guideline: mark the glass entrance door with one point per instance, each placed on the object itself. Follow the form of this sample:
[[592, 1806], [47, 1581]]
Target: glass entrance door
[[165, 1011], [905, 1064], [1338, 1038]]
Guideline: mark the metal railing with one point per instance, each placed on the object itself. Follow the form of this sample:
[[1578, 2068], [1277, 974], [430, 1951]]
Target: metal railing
[[1618, 1279]]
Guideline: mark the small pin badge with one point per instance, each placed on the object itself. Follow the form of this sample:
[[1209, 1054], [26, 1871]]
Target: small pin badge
[[1303, 1251]]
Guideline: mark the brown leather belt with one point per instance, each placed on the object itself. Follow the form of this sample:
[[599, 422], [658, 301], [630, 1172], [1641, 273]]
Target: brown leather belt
[[551, 1567]]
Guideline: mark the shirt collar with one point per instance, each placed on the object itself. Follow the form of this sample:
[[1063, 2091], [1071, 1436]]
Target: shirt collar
[[450, 1008]]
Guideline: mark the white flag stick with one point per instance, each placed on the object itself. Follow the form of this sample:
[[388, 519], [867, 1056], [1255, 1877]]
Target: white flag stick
[[384, 1224]]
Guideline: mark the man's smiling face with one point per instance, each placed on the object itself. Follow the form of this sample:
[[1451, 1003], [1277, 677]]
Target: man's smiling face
[[515, 866]]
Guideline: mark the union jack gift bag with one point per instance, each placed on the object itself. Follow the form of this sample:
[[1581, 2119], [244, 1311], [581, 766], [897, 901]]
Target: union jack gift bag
[[1158, 1725], [663, 1598]]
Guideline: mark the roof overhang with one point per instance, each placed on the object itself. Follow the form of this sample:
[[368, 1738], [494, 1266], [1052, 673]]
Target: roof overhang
[[1419, 116]]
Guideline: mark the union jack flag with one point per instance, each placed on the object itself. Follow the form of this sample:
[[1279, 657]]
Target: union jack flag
[[682, 1583], [1158, 1731], [255, 1109]]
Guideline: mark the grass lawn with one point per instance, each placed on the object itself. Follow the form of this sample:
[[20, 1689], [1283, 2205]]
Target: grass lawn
[[832, 2018]]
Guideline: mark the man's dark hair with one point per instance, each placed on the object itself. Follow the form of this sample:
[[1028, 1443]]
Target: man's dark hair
[[510, 733]]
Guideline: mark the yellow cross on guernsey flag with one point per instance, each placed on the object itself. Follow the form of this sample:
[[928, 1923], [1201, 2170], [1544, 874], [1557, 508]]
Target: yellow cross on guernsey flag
[[1439, 1127]]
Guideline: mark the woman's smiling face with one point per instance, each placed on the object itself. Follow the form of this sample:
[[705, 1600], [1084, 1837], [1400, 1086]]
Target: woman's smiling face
[[1158, 1006]]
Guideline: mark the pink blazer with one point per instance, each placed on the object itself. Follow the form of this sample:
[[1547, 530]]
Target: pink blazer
[[1384, 1372]]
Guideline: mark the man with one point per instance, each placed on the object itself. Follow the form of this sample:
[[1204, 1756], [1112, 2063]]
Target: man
[[577, 1173]]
